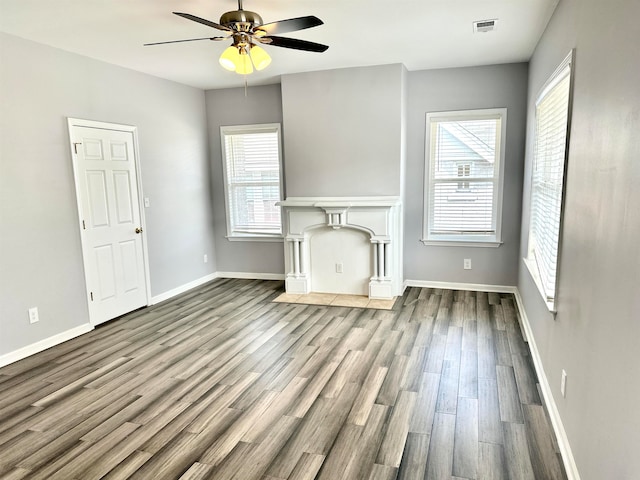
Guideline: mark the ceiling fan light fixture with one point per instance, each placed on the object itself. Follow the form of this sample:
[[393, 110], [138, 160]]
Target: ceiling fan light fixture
[[236, 58], [260, 57], [230, 58], [244, 65]]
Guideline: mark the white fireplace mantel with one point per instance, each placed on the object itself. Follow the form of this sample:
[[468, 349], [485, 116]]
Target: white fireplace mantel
[[378, 217]]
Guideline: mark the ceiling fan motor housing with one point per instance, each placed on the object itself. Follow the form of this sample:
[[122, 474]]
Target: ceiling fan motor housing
[[242, 20]]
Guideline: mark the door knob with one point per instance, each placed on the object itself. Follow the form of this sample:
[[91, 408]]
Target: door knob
[[138, 230]]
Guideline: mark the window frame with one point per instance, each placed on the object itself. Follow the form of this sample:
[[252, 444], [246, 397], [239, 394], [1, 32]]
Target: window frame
[[225, 130], [464, 170], [530, 259], [467, 240]]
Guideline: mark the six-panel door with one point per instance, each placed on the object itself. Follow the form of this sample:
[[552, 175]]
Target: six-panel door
[[112, 236]]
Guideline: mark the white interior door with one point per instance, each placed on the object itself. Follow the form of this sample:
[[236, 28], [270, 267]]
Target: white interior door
[[110, 219]]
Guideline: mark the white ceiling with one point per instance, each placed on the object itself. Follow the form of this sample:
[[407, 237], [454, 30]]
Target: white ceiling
[[421, 34]]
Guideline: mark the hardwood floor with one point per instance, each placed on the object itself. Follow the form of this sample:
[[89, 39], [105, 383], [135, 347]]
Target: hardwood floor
[[221, 383]]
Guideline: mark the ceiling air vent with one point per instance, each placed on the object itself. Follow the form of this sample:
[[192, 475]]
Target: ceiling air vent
[[484, 25]]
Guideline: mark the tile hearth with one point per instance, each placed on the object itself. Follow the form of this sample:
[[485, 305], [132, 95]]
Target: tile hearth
[[334, 300]]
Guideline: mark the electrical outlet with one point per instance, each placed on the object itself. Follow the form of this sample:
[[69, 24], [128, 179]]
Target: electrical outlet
[[338, 267], [563, 384], [467, 264], [33, 315], [206, 259]]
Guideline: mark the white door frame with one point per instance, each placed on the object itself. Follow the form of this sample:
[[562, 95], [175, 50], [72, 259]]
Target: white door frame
[[77, 122]]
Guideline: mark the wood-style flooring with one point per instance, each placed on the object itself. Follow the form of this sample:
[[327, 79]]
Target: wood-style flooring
[[222, 383]]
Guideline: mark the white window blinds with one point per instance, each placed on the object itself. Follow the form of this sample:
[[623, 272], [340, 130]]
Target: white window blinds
[[253, 179], [463, 180], [552, 119]]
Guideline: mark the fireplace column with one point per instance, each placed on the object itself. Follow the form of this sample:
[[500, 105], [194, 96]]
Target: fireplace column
[[296, 279], [380, 260], [380, 285], [296, 257]]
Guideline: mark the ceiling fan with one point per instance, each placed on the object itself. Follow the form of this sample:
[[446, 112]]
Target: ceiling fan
[[247, 31]]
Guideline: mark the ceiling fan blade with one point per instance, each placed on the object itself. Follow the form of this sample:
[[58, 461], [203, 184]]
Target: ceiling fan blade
[[203, 21], [188, 40], [294, 43], [290, 25]]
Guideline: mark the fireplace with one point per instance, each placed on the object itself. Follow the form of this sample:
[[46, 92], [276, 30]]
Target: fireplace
[[363, 257]]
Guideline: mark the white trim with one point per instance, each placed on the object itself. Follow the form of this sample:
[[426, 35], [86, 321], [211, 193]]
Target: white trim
[[556, 422], [62, 337], [498, 178], [251, 275], [49, 342], [210, 277], [248, 129], [532, 268], [321, 202], [461, 243], [118, 127], [558, 75], [476, 287], [183, 288], [254, 238], [565, 68]]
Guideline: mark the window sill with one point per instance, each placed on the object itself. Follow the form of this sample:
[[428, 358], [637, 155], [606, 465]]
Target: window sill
[[462, 243], [533, 271], [255, 238]]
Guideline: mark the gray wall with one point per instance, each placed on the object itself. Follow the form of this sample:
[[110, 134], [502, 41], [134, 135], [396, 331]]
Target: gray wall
[[595, 334], [40, 253], [493, 86], [343, 131], [230, 107]]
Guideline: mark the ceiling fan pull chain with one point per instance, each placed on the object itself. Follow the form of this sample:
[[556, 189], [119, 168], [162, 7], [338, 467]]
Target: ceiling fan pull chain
[[245, 85]]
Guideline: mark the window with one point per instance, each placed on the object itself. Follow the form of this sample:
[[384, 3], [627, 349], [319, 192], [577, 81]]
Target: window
[[463, 177], [464, 171], [547, 180], [253, 180]]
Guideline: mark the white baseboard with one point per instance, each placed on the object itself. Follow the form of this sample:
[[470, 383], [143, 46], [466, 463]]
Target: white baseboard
[[59, 338], [556, 422], [251, 276], [49, 342], [212, 276], [474, 287], [183, 288], [479, 287]]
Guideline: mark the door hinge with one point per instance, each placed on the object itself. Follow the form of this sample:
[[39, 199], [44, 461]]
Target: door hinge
[[75, 147], [91, 296], [84, 227]]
